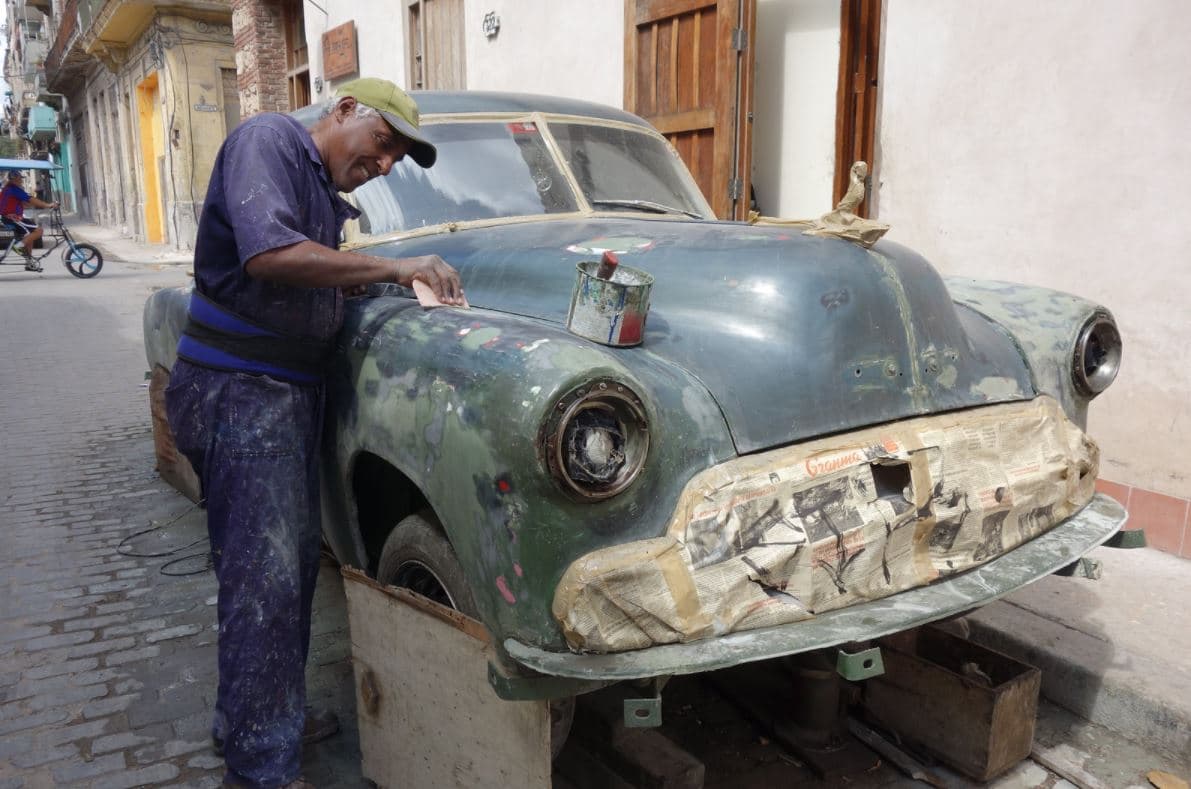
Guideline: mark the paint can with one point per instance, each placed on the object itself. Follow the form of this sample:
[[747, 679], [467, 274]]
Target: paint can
[[609, 311]]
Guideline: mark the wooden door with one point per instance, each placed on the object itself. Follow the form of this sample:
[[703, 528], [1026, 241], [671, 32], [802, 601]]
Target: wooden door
[[435, 45], [856, 105], [689, 72], [297, 54]]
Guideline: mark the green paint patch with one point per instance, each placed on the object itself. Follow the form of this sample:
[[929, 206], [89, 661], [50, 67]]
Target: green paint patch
[[476, 338]]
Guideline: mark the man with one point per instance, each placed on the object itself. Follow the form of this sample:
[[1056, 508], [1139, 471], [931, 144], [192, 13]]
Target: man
[[245, 400], [13, 199]]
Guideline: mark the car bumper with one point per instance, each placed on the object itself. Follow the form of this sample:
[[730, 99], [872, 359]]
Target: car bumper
[[1045, 554]]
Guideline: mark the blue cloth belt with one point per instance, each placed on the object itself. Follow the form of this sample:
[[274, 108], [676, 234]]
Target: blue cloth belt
[[219, 338]]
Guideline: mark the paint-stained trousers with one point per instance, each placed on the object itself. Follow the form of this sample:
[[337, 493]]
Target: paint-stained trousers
[[253, 441]]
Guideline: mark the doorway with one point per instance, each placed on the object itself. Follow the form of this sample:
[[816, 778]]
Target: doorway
[[435, 45], [152, 145], [689, 71]]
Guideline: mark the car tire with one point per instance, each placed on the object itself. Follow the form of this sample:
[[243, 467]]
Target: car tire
[[418, 556]]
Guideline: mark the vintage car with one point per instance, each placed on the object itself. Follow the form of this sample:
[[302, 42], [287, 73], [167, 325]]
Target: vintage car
[[810, 442]]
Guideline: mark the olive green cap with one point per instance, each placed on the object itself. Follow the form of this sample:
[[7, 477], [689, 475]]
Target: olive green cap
[[396, 107]]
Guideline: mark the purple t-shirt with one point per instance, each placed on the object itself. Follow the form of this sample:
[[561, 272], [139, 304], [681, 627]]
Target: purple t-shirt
[[269, 189]]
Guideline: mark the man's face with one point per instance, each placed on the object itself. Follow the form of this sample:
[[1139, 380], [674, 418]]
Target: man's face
[[18, 181], [360, 149]]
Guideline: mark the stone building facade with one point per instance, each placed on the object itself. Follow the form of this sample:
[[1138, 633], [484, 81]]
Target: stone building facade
[[148, 94]]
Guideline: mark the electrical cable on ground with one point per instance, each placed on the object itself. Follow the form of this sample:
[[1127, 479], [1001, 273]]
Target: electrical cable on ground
[[126, 551]]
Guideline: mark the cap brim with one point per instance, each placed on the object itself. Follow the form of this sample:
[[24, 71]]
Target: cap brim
[[421, 151]]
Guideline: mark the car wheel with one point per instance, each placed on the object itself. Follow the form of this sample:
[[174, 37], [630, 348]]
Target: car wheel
[[417, 556]]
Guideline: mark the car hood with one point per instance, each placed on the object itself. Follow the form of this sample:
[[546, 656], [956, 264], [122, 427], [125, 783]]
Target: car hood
[[794, 336]]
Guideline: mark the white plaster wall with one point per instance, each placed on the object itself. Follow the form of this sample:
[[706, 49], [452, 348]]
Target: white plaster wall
[[569, 48], [380, 40], [1046, 143], [797, 68]]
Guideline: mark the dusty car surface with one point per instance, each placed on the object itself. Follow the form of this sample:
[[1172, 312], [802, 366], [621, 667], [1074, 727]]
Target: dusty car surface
[[813, 443]]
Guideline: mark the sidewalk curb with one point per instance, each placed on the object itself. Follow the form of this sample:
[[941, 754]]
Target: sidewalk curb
[[125, 249], [1096, 670]]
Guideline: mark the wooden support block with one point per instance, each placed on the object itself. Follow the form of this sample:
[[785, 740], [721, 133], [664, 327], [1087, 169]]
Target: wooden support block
[[645, 758], [427, 715], [171, 464]]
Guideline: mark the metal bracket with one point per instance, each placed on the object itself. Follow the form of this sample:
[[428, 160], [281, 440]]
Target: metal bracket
[[858, 666], [740, 39], [645, 713], [1127, 538], [1084, 568], [735, 188]]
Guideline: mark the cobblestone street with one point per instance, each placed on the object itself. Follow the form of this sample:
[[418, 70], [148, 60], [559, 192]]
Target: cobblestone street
[[107, 617]]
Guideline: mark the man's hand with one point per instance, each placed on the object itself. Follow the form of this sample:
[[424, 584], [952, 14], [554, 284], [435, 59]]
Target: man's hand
[[435, 272]]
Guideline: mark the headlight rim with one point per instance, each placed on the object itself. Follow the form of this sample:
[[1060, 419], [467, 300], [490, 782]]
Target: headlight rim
[[1106, 373], [630, 409]]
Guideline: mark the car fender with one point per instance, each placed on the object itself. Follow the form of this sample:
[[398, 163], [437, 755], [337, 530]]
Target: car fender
[[1044, 325], [456, 401]]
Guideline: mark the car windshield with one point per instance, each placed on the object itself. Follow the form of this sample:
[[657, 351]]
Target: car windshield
[[484, 171], [622, 169], [488, 170]]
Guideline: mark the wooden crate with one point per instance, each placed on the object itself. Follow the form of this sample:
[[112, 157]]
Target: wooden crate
[[428, 717], [972, 708]]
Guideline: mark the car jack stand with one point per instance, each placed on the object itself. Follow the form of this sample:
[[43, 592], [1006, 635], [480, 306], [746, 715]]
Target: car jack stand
[[802, 702], [816, 729]]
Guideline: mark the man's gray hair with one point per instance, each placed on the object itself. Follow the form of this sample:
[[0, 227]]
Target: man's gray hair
[[362, 110]]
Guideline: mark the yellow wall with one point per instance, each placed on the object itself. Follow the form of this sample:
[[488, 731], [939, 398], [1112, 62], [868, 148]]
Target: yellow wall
[[152, 142]]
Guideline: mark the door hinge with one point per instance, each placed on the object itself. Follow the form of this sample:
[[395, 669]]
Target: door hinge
[[735, 188], [740, 39]]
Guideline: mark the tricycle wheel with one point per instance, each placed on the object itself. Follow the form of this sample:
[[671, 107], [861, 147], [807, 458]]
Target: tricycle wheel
[[417, 556], [83, 260]]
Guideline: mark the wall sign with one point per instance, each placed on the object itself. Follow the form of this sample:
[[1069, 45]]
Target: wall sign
[[339, 51]]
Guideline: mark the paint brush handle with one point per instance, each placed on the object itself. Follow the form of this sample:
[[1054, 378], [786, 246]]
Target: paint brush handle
[[608, 264]]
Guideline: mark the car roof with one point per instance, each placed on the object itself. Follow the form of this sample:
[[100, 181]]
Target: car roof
[[434, 102], [451, 102]]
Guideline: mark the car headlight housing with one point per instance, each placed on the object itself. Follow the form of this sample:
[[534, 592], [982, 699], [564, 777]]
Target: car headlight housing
[[1097, 356], [596, 439]]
